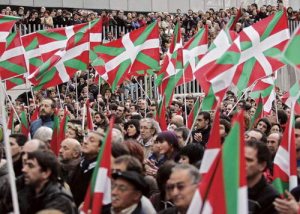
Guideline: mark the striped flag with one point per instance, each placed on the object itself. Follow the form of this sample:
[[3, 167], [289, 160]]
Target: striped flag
[[285, 161], [99, 191]]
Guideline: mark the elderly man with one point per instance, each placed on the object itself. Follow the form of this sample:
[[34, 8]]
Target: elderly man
[[84, 170], [69, 157], [273, 142], [181, 187]]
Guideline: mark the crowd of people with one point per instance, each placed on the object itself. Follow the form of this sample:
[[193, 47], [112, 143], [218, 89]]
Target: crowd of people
[[152, 171]]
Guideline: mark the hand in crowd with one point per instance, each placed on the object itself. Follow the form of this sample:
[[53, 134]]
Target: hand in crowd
[[287, 205]]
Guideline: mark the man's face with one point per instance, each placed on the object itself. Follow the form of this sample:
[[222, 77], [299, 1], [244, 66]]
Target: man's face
[[97, 118], [33, 175], [190, 103], [253, 135], [123, 195], [67, 151], [273, 143], [143, 105], [91, 144], [201, 123], [14, 146], [253, 168], [181, 141], [181, 188], [45, 108], [146, 130], [120, 111]]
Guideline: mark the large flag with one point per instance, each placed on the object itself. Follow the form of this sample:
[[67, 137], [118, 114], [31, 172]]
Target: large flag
[[64, 63], [95, 37], [265, 88], [213, 145], [15, 81], [99, 191], [12, 61], [285, 162], [125, 57], [6, 24], [260, 42], [290, 53], [226, 192]]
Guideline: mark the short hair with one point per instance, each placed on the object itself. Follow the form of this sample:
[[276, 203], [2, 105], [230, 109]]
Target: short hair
[[20, 138], [43, 133], [263, 153], [119, 149], [47, 160], [267, 122], [193, 171], [206, 115], [53, 104], [132, 163], [194, 151], [185, 131], [154, 124]]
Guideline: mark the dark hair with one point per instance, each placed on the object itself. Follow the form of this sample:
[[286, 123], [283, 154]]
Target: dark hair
[[282, 116], [47, 160], [119, 149], [20, 138], [206, 115], [170, 137], [263, 153], [194, 151], [132, 163], [163, 175], [136, 124], [297, 124], [226, 124], [267, 122], [185, 131]]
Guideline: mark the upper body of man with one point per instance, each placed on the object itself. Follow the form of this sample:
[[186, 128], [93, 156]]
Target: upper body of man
[[42, 188], [17, 141], [261, 195], [46, 118], [181, 187], [201, 134], [69, 157], [273, 142]]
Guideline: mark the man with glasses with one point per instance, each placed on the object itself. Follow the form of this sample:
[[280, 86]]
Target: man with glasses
[[181, 187]]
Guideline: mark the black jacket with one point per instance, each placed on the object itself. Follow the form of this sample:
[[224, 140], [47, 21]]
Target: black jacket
[[261, 198], [205, 135]]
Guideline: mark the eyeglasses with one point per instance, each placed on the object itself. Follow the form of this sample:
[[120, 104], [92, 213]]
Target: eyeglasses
[[179, 186]]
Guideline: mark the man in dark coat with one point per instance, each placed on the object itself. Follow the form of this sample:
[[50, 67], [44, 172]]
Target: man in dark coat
[[201, 134]]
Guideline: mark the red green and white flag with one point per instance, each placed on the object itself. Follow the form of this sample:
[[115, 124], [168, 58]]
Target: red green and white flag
[[226, 190], [213, 146], [35, 114], [125, 57], [55, 142], [95, 37], [24, 126], [265, 88], [260, 42], [89, 118], [12, 61], [99, 191], [63, 125], [15, 81], [285, 162], [161, 115], [6, 24], [290, 53], [33, 55], [259, 113], [193, 113], [52, 40], [10, 122], [63, 64], [292, 97]]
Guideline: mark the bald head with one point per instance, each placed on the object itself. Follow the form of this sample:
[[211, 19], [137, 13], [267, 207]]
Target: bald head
[[177, 120], [31, 146], [69, 149]]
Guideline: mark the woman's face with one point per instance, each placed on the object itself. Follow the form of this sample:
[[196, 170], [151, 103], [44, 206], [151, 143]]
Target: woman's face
[[275, 129], [164, 147], [71, 133], [131, 130]]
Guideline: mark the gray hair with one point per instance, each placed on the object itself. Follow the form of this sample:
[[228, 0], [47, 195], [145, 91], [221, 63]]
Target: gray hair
[[154, 124], [192, 170], [43, 133]]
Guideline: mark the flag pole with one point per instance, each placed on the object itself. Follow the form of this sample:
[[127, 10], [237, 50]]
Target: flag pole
[[76, 99], [11, 172], [194, 122], [146, 96]]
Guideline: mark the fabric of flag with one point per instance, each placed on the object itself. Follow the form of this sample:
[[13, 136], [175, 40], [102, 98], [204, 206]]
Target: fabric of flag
[[266, 89], [193, 113], [161, 115], [291, 51], [230, 26], [260, 42], [123, 58], [172, 63], [24, 126], [15, 81], [258, 113], [63, 64], [292, 97], [35, 114], [89, 118], [99, 191], [224, 187], [12, 61], [52, 40], [215, 72], [55, 143], [95, 37], [33, 55], [10, 122], [6, 24], [213, 146], [63, 125], [285, 161]]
